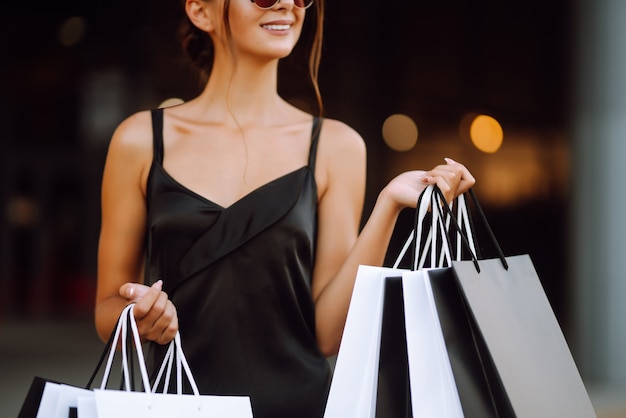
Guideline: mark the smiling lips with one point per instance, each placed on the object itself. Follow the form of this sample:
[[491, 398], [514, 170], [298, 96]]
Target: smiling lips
[[276, 27]]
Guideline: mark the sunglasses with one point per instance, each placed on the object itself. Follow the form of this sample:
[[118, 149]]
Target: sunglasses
[[268, 4]]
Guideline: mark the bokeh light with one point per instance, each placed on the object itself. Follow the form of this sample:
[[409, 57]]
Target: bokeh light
[[486, 133], [72, 31], [400, 132]]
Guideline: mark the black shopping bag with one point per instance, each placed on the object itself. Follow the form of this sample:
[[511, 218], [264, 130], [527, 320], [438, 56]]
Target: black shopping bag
[[402, 363], [48, 398], [480, 389], [30, 406], [393, 399]]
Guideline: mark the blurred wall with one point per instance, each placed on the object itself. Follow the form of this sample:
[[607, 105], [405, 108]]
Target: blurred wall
[[599, 226]]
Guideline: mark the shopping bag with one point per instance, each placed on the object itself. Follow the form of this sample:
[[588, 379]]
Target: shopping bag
[[527, 357], [149, 402], [393, 397], [523, 338], [34, 396], [432, 387], [480, 391], [446, 374], [449, 375], [354, 384], [376, 372], [47, 398]]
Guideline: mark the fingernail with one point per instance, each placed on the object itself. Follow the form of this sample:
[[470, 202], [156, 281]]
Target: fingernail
[[449, 160], [158, 284], [130, 292]]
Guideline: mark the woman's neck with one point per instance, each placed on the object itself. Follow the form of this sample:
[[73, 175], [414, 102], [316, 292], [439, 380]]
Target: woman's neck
[[245, 91]]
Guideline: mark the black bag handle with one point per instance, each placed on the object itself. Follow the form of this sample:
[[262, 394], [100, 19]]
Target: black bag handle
[[492, 236], [445, 207], [436, 199], [417, 239], [107, 347]]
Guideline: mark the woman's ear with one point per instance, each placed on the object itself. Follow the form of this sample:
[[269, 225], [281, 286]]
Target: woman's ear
[[201, 14]]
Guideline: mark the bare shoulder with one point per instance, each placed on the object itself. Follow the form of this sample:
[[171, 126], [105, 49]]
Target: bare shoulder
[[341, 156], [340, 139], [130, 148], [134, 134]]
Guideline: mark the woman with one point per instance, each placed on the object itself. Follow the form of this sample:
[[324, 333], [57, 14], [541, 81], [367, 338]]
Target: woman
[[246, 211]]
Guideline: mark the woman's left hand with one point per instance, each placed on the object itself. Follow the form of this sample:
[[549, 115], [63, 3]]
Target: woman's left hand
[[452, 178]]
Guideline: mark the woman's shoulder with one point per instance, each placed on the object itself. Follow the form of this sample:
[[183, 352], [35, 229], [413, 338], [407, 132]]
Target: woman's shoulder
[[339, 137], [134, 132], [131, 144], [132, 140], [341, 155]]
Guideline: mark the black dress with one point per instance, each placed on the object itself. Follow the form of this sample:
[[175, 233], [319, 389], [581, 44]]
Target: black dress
[[240, 278]]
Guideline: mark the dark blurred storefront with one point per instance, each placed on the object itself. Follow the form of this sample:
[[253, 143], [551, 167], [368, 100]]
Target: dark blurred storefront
[[72, 70]]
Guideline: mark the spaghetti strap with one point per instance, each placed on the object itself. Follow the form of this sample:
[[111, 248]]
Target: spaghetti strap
[[157, 135], [315, 136]]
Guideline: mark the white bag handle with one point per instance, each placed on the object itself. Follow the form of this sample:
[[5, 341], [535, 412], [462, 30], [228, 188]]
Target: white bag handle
[[437, 229], [422, 210], [174, 351], [430, 200], [463, 219]]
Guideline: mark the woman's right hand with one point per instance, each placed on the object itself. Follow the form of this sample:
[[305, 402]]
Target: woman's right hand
[[156, 316]]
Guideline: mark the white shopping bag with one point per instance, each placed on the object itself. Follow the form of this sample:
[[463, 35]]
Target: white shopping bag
[[354, 385], [117, 404], [354, 388], [57, 399], [433, 389], [49, 400], [68, 398], [87, 407], [353, 391], [148, 403]]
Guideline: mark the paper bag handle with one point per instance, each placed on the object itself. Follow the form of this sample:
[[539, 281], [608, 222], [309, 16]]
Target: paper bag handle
[[126, 320], [414, 242], [440, 226], [479, 209]]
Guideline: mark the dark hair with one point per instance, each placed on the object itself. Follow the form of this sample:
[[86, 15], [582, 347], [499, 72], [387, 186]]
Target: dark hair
[[199, 46]]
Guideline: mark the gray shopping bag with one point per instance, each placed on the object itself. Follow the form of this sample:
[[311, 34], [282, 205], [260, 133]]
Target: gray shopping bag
[[517, 331], [524, 339]]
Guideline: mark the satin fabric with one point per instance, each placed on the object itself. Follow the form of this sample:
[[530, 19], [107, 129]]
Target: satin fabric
[[240, 278]]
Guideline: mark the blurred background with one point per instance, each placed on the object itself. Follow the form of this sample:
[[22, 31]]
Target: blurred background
[[531, 96]]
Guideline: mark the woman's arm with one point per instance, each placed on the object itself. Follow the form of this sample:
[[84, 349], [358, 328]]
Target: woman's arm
[[340, 247], [122, 235]]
